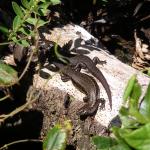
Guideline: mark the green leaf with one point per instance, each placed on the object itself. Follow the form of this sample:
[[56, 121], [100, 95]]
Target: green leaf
[[31, 3], [56, 139], [44, 1], [4, 29], [103, 142], [139, 117], [120, 147], [58, 55], [129, 122], [135, 95], [25, 3], [139, 138], [126, 119], [124, 111], [36, 22], [52, 2], [55, 2], [41, 23], [44, 5], [118, 134], [25, 10], [24, 43], [44, 12], [8, 75], [17, 9], [134, 102], [16, 23], [32, 21], [25, 31], [129, 87], [15, 40], [115, 131], [145, 105]]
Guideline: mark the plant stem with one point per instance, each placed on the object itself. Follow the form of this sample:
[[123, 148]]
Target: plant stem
[[5, 97], [19, 141]]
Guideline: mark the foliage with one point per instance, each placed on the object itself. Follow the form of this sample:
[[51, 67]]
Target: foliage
[[29, 15], [56, 137], [24, 32], [8, 75], [25, 26], [135, 116]]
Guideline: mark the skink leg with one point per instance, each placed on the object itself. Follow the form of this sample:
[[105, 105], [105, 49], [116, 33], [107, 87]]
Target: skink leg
[[79, 66], [67, 101], [97, 61], [65, 78], [102, 102], [87, 110], [85, 99]]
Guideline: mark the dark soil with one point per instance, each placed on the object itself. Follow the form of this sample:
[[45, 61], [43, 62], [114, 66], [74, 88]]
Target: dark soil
[[54, 111]]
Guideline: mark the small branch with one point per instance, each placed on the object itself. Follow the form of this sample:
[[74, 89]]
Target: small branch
[[19, 141], [33, 51], [11, 42], [145, 18], [5, 97], [26, 67], [30, 100], [5, 43]]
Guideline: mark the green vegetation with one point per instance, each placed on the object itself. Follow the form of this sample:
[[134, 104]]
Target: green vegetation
[[56, 137], [8, 75], [24, 30], [29, 14], [135, 118]]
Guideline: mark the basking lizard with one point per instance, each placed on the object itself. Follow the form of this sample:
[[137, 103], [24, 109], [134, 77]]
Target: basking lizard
[[82, 61], [85, 84]]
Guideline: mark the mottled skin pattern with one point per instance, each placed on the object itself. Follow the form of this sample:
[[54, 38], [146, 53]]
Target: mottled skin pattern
[[82, 61], [85, 84]]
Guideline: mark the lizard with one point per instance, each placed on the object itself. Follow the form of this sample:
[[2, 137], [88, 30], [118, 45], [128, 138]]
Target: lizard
[[87, 85], [82, 61]]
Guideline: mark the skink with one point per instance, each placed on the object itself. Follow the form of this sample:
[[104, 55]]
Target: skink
[[85, 84], [82, 61]]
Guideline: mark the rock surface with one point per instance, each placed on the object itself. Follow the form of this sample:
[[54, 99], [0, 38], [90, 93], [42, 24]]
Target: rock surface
[[116, 73]]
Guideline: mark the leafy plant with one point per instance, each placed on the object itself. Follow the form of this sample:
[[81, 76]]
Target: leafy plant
[[25, 25], [28, 17], [56, 137], [135, 116], [8, 75], [25, 32]]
